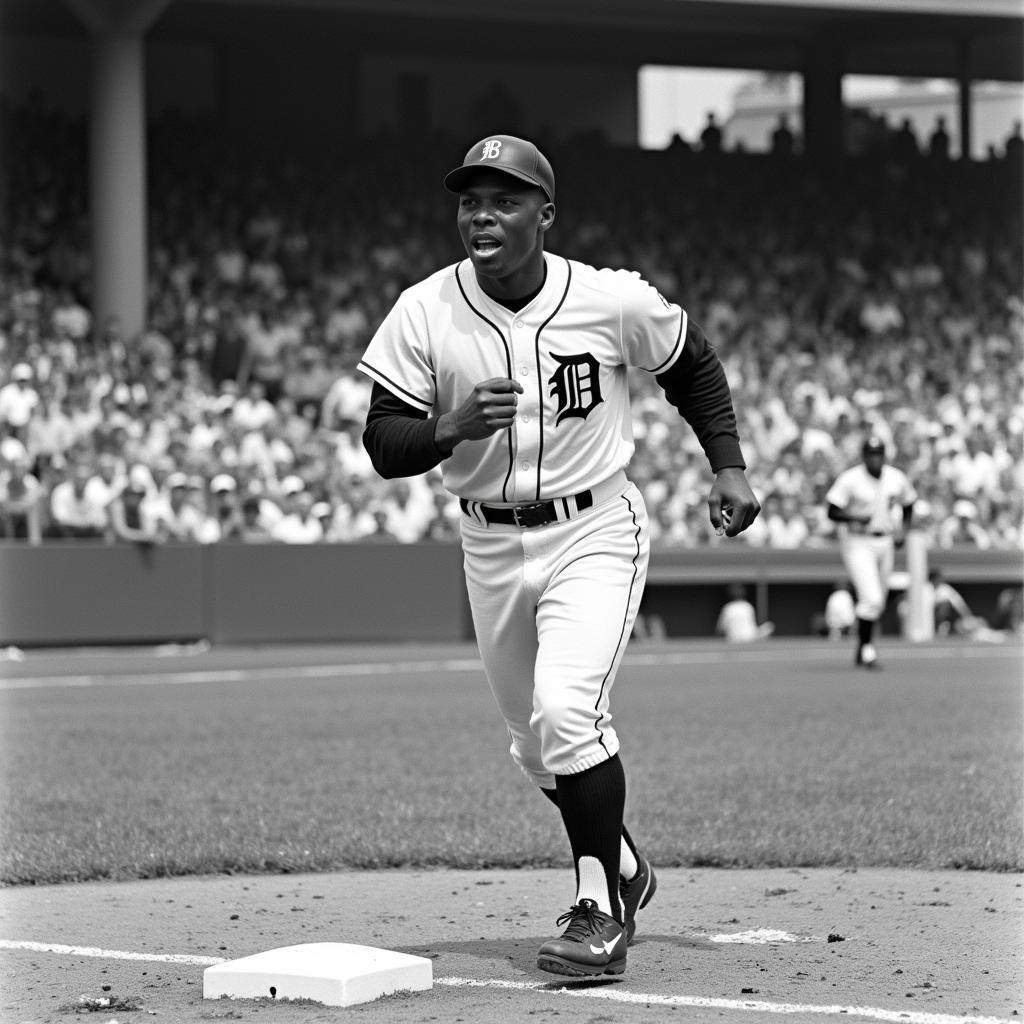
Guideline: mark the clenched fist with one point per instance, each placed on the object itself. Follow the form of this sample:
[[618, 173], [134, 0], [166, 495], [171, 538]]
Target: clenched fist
[[490, 407]]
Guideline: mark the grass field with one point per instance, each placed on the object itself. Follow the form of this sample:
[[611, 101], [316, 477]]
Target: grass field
[[777, 756]]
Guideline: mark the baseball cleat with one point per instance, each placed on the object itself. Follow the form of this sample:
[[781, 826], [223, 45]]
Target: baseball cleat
[[867, 656], [593, 943], [636, 894]]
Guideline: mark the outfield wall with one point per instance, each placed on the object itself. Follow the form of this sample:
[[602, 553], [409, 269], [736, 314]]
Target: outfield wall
[[82, 593]]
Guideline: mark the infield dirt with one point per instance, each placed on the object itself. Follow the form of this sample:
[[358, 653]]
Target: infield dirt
[[868, 944]]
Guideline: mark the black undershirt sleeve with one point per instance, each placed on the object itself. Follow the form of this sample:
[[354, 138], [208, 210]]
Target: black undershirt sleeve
[[696, 385], [398, 437]]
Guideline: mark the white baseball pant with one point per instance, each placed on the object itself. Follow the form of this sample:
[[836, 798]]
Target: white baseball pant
[[553, 609], [869, 562]]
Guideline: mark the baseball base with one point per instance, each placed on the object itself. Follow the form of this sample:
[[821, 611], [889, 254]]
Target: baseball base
[[332, 973]]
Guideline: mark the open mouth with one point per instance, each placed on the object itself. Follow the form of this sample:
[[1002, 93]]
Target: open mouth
[[484, 245]]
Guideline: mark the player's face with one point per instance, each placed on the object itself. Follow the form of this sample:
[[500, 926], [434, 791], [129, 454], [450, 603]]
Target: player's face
[[502, 222], [874, 462]]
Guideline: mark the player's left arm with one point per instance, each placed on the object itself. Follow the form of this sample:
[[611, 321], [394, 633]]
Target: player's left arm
[[905, 524], [697, 386]]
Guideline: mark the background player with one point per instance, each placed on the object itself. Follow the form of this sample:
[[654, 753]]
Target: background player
[[519, 358], [864, 501]]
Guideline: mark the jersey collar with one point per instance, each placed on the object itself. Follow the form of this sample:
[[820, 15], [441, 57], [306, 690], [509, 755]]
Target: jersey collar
[[538, 309]]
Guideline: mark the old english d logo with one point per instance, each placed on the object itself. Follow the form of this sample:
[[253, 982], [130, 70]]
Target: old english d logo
[[576, 385]]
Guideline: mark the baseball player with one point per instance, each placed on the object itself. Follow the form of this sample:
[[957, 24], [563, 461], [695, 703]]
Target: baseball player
[[508, 370], [863, 500]]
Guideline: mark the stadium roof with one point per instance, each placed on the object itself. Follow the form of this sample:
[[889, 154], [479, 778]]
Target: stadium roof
[[980, 39]]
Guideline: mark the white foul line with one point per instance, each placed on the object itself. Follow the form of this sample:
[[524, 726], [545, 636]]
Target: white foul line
[[703, 1002], [389, 668], [111, 954], [707, 1002]]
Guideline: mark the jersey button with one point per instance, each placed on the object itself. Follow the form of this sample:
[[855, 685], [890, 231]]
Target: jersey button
[[524, 465], [520, 324]]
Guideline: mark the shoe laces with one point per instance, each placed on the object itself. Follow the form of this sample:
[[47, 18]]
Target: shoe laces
[[582, 920]]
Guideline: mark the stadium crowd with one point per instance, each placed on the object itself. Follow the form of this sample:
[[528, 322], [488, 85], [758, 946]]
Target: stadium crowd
[[886, 300]]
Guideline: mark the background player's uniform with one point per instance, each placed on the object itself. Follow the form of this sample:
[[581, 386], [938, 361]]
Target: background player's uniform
[[868, 549]]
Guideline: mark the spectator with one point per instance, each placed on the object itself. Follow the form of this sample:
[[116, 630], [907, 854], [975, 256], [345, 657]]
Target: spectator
[[252, 410], [298, 525], [133, 517], [18, 400], [785, 524], [178, 518], [74, 513], [953, 616], [21, 503], [1009, 615], [737, 619], [253, 528], [839, 617], [225, 509], [938, 141], [961, 527], [782, 138], [711, 135]]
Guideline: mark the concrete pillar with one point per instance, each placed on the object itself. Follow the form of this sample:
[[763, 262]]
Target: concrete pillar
[[823, 67], [117, 190], [117, 158], [964, 84]]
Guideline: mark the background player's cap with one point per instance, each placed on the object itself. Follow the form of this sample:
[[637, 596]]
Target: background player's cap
[[873, 445], [506, 153]]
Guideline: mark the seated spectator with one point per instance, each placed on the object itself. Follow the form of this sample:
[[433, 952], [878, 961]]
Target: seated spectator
[[381, 532], [839, 616], [298, 525], [133, 517], [784, 523], [443, 524], [177, 516], [75, 514], [50, 432], [1009, 615], [18, 400], [737, 620], [225, 511], [309, 380], [953, 616], [21, 503], [253, 528], [324, 514], [252, 410], [961, 527]]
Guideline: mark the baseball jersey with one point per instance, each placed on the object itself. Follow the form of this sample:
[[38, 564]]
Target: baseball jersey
[[860, 494], [569, 348]]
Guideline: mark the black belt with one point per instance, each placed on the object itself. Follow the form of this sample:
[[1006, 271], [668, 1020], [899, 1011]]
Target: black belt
[[538, 513]]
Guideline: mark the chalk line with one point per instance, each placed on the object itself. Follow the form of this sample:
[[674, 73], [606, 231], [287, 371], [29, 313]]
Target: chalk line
[[393, 668], [613, 995]]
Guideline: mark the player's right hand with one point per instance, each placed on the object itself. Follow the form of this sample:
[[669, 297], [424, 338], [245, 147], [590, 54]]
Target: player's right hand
[[490, 407]]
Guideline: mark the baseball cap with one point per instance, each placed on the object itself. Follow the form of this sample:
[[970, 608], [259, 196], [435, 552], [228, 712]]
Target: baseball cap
[[510, 155], [292, 485], [873, 445], [222, 482], [22, 371], [176, 480]]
